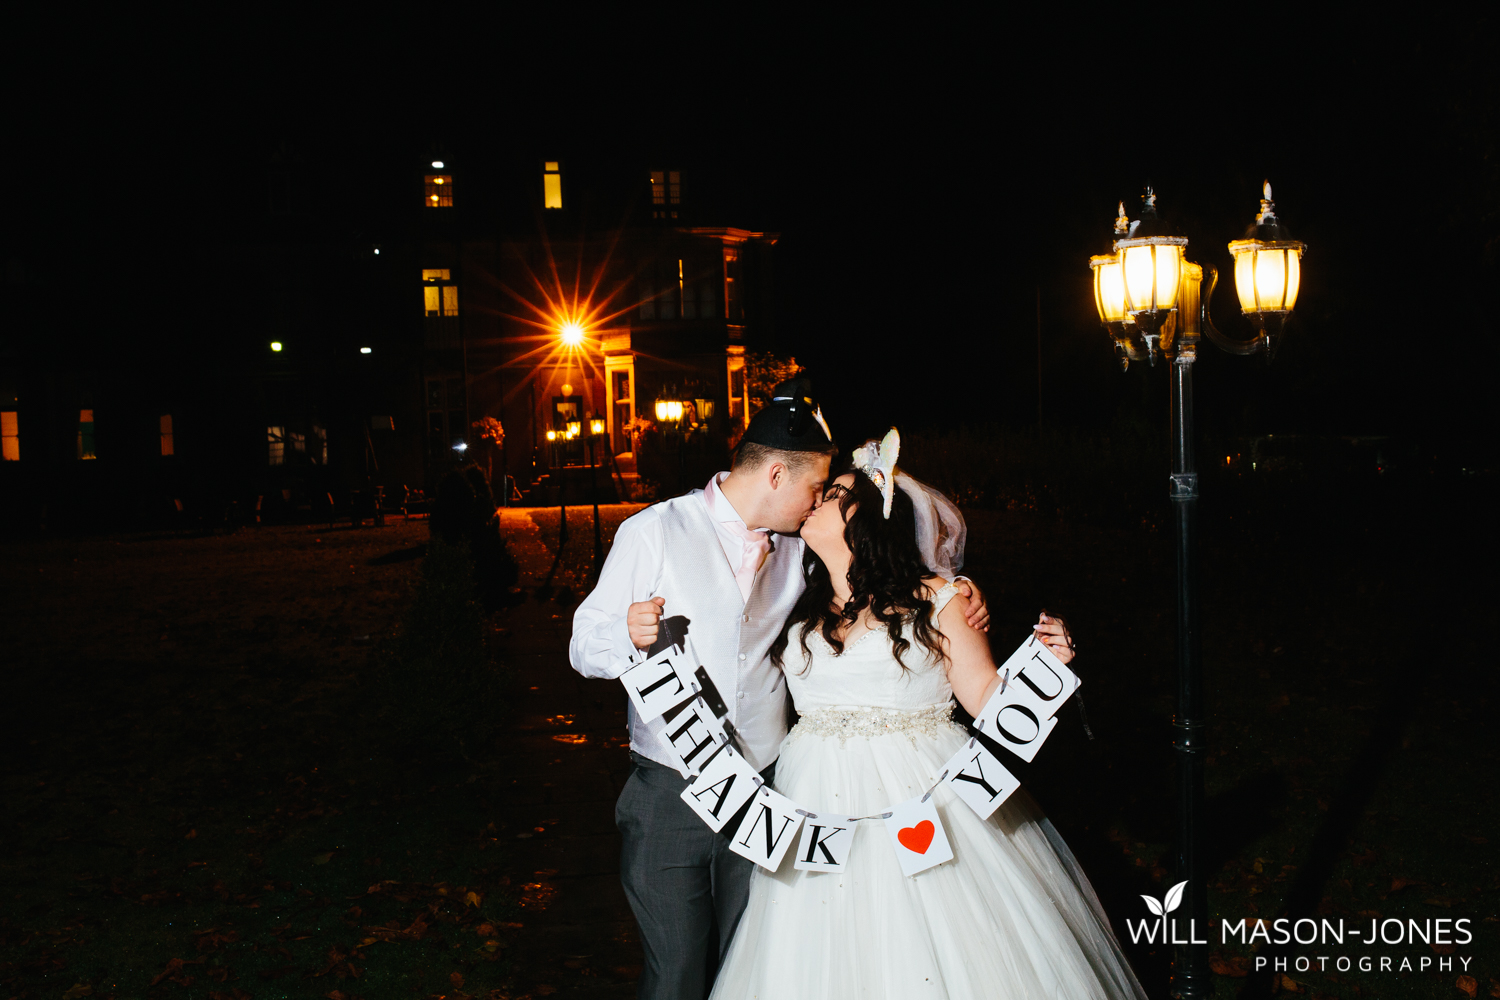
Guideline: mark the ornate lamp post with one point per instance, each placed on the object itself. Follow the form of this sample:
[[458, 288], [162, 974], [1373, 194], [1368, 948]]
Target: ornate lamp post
[[1152, 301]]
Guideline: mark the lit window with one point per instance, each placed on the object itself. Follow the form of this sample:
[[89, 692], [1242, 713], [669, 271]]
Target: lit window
[[551, 185], [438, 297], [86, 434], [319, 445], [666, 193], [276, 438], [10, 436], [732, 308], [299, 441], [439, 190], [166, 435]]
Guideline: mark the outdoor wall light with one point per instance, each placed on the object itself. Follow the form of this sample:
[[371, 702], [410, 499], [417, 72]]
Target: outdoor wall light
[[1152, 300], [364, 350], [574, 427], [596, 426], [461, 447], [572, 334], [552, 435], [437, 164], [276, 346]]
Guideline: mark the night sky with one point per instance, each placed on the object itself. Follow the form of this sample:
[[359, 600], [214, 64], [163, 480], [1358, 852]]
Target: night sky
[[927, 179]]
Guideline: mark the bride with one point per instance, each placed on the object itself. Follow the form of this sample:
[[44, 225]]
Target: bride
[[873, 653]]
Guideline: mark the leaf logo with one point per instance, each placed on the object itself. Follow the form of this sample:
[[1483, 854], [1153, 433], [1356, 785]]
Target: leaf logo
[[1171, 901]]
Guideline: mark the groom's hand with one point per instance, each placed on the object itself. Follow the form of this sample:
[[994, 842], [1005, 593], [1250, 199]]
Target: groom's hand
[[979, 612], [642, 619]]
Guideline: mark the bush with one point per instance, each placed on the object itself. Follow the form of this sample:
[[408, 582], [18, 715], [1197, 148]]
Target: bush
[[441, 690]]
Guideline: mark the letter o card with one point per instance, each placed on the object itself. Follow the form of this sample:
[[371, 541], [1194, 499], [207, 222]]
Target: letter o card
[[918, 836], [825, 843], [1016, 727], [979, 778]]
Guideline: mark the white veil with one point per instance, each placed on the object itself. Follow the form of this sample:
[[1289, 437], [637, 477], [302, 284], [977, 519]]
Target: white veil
[[941, 531]]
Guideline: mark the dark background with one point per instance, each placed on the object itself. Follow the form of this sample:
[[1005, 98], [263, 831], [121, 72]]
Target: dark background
[[929, 178]]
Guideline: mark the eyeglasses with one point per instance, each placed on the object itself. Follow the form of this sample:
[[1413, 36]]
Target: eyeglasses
[[836, 492]]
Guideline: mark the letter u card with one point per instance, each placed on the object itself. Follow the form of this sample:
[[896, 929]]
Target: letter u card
[[768, 829], [979, 778], [1022, 713], [918, 836], [825, 842]]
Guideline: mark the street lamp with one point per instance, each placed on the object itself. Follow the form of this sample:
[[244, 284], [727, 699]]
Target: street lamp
[[1151, 300]]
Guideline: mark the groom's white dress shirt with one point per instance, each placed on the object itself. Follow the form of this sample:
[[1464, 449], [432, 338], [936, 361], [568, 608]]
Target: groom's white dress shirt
[[636, 570]]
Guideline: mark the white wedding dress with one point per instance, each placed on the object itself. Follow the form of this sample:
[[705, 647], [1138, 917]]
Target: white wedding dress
[[1011, 915]]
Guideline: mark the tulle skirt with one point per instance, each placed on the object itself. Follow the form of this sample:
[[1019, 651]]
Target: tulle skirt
[[1011, 915]]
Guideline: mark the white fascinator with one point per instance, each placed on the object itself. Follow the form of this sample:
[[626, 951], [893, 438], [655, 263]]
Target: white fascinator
[[941, 532]]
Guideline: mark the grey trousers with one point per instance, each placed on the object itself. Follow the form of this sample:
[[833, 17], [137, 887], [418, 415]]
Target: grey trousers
[[686, 887]]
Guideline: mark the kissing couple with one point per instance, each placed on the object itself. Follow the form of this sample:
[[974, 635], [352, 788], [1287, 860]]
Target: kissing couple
[[836, 598]]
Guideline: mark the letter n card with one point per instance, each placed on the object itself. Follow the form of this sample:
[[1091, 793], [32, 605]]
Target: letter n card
[[918, 836], [979, 778], [768, 829]]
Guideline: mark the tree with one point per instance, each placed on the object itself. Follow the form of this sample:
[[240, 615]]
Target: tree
[[763, 370]]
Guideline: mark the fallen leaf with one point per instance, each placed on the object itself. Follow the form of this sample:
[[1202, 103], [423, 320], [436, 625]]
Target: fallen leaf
[[322, 859], [1444, 949], [485, 930], [191, 835], [1236, 966], [1398, 884], [544, 989], [79, 990], [1468, 985], [234, 994], [1281, 981], [472, 899], [457, 979]]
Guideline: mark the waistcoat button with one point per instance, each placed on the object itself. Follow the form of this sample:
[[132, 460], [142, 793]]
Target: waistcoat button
[[742, 656], [746, 618], [740, 695]]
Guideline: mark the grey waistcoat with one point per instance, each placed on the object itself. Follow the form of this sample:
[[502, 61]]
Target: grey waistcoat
[[732, 636]]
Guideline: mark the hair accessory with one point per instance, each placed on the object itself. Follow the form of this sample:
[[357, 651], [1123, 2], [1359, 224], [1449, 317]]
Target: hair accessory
[[878, 462]]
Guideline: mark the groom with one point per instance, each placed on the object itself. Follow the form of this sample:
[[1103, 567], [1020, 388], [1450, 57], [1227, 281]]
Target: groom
[[724, 565]]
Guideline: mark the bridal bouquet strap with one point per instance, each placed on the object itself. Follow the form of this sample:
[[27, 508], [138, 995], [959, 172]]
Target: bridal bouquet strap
[[668, 693]]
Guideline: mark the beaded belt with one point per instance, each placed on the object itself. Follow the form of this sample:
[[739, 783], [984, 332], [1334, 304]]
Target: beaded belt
[[870, 722]]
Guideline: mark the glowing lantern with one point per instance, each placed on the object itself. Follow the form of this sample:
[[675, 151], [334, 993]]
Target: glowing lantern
[[1267, 271]]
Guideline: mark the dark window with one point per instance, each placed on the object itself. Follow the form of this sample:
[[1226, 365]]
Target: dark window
[[733, 311], [666, 193]]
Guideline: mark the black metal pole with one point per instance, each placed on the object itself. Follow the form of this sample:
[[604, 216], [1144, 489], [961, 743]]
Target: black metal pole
[[1190, 973]]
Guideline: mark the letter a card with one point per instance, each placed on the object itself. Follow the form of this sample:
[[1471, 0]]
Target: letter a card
[[768, 829], [979, 778], [726, 783], [825, 843], [654, 685], [918, 836]]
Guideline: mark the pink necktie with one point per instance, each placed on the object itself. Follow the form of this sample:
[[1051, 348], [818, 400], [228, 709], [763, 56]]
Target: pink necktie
[[757, 544]]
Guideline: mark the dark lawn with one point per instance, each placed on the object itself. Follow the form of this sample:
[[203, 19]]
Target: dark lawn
[[189, 747]]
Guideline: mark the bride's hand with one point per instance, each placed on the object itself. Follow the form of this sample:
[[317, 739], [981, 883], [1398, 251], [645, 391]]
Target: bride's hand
[[1053, 632]]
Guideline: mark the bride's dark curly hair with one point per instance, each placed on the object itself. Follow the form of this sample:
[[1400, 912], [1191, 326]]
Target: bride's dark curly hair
[[885, 572]]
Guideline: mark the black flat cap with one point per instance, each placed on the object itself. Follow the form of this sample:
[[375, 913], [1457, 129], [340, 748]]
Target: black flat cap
[[791, 422]]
